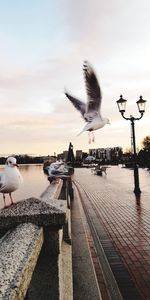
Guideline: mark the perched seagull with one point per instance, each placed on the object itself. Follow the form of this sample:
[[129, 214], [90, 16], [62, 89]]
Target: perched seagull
[[90, 111], [55, 170], [10, 179]]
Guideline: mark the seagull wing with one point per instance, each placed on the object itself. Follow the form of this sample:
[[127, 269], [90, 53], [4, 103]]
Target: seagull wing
[[2, 182], [79, 105], [93, 90]]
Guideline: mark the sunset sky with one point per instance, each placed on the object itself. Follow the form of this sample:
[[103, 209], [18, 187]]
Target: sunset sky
[[43, 45]]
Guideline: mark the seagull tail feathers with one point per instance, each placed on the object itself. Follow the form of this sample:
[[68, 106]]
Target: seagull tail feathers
[[81, 132], [87, 127]]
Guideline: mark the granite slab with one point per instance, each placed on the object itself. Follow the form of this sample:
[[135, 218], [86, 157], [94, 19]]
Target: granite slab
[[36, 211]]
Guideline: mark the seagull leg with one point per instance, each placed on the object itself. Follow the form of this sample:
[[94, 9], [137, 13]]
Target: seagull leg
[[93, 137], [57, 180], [12, 202], [4, 201]]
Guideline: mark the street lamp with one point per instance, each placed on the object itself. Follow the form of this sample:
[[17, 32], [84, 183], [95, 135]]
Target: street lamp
[[141, 107]]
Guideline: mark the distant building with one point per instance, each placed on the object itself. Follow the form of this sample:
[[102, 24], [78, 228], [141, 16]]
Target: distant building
[[107, 154], [79, 154], [104, 155], [65, 154]]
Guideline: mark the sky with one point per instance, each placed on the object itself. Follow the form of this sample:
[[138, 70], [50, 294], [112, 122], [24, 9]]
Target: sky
[[43, 46]]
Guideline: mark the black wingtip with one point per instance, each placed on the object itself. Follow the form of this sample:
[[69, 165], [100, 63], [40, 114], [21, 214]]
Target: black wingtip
[[88, 68], [65, 91], [66, 94], [85, 64]]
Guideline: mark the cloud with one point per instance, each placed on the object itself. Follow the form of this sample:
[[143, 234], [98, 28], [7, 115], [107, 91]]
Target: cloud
[[37, 65]]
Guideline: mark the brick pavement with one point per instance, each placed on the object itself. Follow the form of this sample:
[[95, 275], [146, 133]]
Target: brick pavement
[[125, 219]]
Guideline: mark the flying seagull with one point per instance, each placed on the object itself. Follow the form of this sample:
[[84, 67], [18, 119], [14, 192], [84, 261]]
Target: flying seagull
[[90, 111], [10, 179]]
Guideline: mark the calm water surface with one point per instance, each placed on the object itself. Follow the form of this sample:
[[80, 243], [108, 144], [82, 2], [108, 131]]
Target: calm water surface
[[34, 183]]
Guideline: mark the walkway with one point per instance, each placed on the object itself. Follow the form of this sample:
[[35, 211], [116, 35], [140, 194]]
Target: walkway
[[120, 226]]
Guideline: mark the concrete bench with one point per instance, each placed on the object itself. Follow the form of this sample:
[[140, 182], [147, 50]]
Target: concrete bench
[[33, 226], [99, 170]]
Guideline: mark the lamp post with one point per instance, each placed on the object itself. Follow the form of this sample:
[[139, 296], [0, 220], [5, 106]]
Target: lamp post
[[141, 107]]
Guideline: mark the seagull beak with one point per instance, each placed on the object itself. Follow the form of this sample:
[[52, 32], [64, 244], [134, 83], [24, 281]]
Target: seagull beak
[[15, 165]]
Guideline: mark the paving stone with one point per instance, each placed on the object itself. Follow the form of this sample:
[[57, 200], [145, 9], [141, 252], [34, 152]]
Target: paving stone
[[125, 218]]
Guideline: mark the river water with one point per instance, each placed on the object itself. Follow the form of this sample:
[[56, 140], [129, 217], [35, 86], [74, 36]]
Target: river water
[[34, 183]]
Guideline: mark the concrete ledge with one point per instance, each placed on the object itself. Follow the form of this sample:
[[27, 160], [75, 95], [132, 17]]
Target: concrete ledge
[[19, 250], [52, 192], [35, 211], [65, 272], [85, 284], [65, 264]]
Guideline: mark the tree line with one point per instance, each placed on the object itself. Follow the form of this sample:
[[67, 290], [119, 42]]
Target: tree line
[[143, 156], [24, 159]]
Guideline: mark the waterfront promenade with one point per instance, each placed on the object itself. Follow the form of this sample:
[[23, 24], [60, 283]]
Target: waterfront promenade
[[117, 230]]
